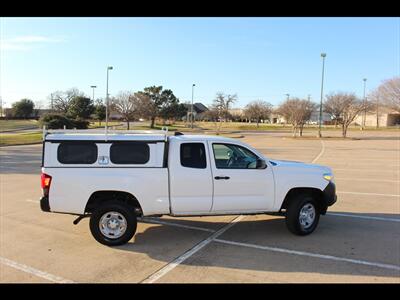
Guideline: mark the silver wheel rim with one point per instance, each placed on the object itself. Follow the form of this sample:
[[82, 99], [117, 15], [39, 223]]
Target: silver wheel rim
[[112, 224], [307, 216]]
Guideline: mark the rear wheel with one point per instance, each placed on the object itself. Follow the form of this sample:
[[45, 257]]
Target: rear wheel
[[302, 215], [113, 223]]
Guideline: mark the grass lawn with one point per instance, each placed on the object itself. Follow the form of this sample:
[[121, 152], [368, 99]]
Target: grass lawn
[[253, 126], [96, 124], [20, 138], [9, 125], [156, 127]]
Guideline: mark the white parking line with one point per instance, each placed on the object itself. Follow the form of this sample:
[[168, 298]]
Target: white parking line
[[170, 266], [153, 220], [309, 254], [367, 179], [364, 170], [33, 201], [33, 271], [364, 217], [368, 194], [320, 153]]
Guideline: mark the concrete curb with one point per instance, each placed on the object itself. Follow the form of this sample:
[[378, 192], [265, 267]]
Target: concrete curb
[[37, 143]]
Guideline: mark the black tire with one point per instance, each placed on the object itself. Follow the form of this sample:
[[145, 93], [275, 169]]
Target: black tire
[[293, 214], [121, 208]]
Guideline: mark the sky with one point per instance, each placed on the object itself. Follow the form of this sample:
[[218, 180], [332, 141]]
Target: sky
[[255, 58]]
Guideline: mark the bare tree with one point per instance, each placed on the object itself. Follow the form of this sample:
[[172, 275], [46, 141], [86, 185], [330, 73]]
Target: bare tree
[[38, 106], [124, 104], [258, 110], [348, 106], [213, 114], [61, 100], [334, 109], [389, 93], [219, 110], [297, 112], [375, 103], [222, 103], [145, 106]]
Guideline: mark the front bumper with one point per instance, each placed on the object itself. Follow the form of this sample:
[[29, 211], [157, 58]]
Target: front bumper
[[329, 193], [44, 204], [329, 197]]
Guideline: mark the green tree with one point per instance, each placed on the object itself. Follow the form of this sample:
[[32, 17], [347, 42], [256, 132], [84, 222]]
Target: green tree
[[173, 111], [59, 121], [80, 107], [161, 99], [23, 108], [100, 110]]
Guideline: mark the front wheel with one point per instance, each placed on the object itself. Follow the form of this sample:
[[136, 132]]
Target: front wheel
[[113, 223], [302, 215]]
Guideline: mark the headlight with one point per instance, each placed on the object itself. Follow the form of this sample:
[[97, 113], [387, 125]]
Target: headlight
[[328, 176]]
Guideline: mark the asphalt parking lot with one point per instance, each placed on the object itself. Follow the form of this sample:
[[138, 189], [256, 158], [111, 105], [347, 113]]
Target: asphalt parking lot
[[357, 241]]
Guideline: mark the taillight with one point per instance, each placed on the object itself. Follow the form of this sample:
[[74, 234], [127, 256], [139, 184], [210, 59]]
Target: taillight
[[45, 181]]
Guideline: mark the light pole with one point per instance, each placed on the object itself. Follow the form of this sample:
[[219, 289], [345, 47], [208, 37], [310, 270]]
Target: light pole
[[287, 95], [191, 111], [365, 111], [93, 87], [108, 69], [323, 55], [51, 100], [377, 111]]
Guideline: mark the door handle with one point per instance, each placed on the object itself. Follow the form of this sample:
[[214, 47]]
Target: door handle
[[222, 177]]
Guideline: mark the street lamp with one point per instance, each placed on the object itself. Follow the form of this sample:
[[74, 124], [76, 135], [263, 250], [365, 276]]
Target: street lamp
[[287, 95], [191, 113], [323, 55], [93, 87], [365, 111], [377, 111], [108, 69]]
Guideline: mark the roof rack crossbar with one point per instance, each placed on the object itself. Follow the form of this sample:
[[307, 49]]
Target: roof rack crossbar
[[46, 131]]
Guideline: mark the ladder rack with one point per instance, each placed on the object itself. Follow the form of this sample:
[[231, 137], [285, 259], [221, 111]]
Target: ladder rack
[[164, 131]]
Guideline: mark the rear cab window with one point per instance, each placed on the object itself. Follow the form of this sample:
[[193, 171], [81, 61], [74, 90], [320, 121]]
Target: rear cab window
[[193, 155]]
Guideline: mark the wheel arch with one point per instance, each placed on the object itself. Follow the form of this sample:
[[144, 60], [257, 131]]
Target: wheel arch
[[316, 193], [99, 197]]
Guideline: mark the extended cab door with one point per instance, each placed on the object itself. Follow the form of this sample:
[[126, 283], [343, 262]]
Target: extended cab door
[[239, 186], [190, 177]]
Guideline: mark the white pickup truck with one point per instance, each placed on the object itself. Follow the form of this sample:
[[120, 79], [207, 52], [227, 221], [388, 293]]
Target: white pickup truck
[[115, 178]]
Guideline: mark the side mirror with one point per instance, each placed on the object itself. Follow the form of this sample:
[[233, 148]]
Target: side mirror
[[260, 164]]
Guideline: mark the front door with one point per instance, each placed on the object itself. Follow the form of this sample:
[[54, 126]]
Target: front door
[[238, 185]]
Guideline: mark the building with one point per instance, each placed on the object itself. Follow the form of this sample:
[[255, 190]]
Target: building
[[198, 110], [314, 119], [385, 118]]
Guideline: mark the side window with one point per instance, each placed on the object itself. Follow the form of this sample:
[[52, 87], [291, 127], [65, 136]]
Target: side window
[[129, 153], [228, 156], [77, 153], [193, 155]]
